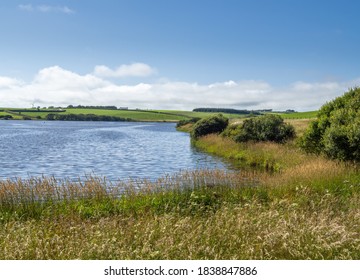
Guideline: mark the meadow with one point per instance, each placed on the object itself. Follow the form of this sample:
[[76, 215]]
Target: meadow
[[299, 115], [134, 115], [282, 204]]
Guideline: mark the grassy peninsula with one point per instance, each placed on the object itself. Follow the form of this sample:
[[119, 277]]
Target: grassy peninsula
[[283, 204]]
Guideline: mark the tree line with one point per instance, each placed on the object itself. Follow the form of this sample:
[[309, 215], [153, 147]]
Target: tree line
[[85, 117], [92, 107], [226, 111]]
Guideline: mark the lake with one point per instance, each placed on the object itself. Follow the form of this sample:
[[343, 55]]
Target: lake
[[115, 150]]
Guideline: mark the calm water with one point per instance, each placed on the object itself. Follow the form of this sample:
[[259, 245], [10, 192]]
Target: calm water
[[118, 150]]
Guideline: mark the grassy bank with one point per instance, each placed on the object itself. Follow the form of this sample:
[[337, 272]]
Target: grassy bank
[[310, 210], [204, 215]]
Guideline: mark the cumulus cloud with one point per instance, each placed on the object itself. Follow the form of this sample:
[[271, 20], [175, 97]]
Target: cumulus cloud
[[56, 78], [46, 9], [6, 82], [60, 87], [125, 70]]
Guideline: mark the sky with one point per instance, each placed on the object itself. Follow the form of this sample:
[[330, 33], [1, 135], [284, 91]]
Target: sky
[[178, 54]]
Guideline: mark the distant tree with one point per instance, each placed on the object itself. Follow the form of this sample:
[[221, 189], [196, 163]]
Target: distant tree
[[6, 117], [226, 110], [84, 117]]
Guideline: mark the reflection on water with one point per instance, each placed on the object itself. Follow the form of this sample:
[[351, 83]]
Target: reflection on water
[[116, 150]]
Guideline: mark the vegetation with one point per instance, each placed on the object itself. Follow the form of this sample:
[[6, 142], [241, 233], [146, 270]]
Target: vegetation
[[92, 107], [186, 122], [226, 110], [5, 117], [299, 115], [37, 110], [83, 117], [265, 128], [192, 114], [136, 115], [336, 131], [300, 214], [213, 124]]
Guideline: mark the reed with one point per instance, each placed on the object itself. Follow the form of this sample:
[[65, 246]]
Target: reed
[[191, 215], [264, 156]]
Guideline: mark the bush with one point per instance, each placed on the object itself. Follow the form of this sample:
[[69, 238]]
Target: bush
[[6, 117], [336, 132], [213, 124], [265, 128], [185, 122], [232, 131]]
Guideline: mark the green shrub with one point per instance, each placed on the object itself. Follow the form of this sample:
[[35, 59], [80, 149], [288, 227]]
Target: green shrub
[[213, 124], [185, 122], [265, 128], [232, 131], [336, 132]]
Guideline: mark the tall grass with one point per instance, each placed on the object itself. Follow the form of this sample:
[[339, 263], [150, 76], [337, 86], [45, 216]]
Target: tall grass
[[37, 198], [192, 215], [266, 156]]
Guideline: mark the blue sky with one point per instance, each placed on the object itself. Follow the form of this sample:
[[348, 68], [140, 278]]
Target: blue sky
[[178, 54]]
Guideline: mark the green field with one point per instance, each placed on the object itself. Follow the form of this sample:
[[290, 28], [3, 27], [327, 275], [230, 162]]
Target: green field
[[299, 115], [136, 115]]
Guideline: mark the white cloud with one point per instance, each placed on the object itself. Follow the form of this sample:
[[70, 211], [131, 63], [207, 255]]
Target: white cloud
[[46, 9], [303, 86], [125, 70], [6, 82], [56, 78], [60, 87]]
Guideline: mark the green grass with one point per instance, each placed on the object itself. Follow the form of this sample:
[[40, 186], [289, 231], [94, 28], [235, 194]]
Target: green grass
[[145, 115], [199, 215], [2, 113], [191, 114], [300, 115], [136, 115]]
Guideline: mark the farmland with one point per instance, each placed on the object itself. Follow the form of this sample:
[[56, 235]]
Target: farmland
[[134, 115]]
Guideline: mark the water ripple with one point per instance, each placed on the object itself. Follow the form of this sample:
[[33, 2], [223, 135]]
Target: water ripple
[[115, 150]]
